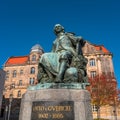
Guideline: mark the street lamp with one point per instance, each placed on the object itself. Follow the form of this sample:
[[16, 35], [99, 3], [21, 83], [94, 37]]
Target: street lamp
[[10, 101]]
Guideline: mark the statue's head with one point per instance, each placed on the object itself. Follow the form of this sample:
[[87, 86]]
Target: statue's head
[[58, 28]]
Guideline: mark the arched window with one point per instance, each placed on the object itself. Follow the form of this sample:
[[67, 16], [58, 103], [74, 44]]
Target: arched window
[[92, 62], [14, 73], [31, 82], [33, 57], [19, 93], [21, 72], [93, 74], [20, 82], [32, 70]]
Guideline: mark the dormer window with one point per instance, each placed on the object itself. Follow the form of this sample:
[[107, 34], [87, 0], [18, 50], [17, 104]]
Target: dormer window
[[33, 57]]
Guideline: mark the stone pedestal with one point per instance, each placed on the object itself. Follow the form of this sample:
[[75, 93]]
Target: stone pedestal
[[56, 104]]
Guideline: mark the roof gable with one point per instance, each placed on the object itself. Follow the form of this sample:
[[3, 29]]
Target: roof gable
[[92, 48], [101, 48]]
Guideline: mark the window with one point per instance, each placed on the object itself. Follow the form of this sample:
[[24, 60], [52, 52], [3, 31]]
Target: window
[[92, 62], [20, 82], [31, 82], [14, 73], [34, 58], [94, 108], [19, 94], [93, 74], [32, 70], [7, 74], [21, 72], [12, 86]]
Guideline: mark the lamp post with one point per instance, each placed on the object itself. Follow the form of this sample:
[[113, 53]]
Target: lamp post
[[9, 109]]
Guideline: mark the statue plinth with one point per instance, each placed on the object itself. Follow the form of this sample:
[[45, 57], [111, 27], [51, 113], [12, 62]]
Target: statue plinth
[[59, 85], [56, 104]]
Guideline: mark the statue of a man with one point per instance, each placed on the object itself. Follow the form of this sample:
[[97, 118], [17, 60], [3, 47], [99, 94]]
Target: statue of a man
[[58, 61]]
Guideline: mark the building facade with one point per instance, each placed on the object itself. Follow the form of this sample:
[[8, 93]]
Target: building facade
[[21, 71], [100, 63]]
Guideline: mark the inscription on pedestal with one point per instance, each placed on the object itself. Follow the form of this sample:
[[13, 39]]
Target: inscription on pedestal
[[52, 110]]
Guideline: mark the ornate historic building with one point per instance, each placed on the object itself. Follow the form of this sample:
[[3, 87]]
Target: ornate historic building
[[21, 71], [99, 60], [100, 63]]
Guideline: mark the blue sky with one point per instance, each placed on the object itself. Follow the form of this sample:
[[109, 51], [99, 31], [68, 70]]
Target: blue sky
[[24, 23]]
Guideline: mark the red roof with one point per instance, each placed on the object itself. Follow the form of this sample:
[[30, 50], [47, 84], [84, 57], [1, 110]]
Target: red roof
[[17, 60], [102, 48]]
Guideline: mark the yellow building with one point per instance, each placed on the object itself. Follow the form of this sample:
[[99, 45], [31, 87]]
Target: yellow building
[[21, 71], [99, 63]]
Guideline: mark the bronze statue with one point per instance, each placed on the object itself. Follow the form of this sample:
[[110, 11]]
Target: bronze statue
[[65, 63]]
